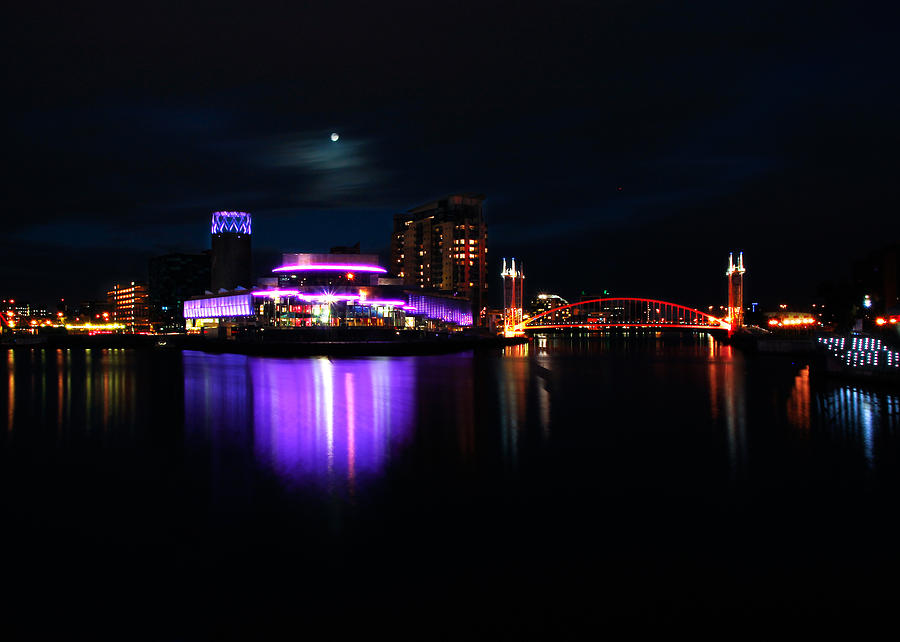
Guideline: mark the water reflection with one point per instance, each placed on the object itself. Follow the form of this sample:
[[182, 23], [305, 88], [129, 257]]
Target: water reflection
[[317, 421], [11, 377], [799, 402], [57, 389], [727, 396], [862, 416]]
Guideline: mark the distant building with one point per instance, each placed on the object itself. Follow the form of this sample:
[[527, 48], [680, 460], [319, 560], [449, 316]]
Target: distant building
[[93, 312], [543, 303], [442, 246], [130, 306], [231, 251], [173, 279], [15, 309]]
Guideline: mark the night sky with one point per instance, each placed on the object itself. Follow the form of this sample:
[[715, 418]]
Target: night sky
[[767, 127]]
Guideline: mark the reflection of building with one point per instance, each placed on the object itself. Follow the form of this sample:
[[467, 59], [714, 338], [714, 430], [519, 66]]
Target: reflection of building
[[231, 256], [174, 278], [318, 421], [735, 274], [442, 245], [130, 306]]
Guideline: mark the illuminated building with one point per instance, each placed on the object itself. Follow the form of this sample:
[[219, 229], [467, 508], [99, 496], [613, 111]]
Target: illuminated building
[[546, 302], [442, 246], [93, 312], [861, 353], [130, 307], [797, 320], [326, 290], [433, 307], [735, 274], [231, 252], [174, 278], [513, 295]]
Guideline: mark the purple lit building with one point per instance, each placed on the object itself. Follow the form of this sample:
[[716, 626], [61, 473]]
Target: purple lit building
[[231, 252], [326, 290]]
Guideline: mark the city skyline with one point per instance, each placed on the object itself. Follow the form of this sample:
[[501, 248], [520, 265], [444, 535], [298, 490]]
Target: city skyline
[[608, 139]]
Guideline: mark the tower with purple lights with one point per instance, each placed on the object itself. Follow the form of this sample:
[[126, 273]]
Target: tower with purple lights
[[231, 251]]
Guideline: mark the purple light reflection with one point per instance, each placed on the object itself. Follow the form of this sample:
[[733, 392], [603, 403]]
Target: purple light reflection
[[313, 422]]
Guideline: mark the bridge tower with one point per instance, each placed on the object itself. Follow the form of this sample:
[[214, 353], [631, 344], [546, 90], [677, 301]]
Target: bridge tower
[[513, 295], [735, 275]]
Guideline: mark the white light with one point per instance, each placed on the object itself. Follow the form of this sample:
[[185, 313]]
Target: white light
[[334, 137]]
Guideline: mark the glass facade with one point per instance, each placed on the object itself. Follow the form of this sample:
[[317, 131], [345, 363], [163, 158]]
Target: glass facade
[[237, 305]]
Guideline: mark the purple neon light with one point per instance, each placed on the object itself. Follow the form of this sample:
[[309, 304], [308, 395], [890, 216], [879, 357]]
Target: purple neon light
[[239, 305], [320, 267], [328, 297], [445, 309], [274, 293], [236, 222], [395, 302]]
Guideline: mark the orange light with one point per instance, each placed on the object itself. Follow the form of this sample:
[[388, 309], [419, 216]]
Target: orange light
[[880, 321], [893, 319], [350, 276], [773, 322]]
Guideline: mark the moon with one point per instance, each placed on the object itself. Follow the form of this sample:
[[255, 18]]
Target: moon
[[334, 137]]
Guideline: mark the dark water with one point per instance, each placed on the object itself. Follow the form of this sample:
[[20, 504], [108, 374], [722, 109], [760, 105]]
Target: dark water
[[567, 486]]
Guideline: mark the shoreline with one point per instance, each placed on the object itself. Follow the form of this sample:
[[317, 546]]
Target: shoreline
[[275, 348]]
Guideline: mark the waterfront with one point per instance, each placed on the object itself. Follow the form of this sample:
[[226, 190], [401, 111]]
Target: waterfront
[[542, 488]]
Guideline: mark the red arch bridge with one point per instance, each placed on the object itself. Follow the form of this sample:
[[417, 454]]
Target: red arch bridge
[[599, 314]]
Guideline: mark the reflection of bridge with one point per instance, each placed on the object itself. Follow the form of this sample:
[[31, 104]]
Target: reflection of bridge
[[598, 314]]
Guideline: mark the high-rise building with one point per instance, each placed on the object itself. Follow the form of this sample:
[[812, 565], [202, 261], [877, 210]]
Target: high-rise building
[[130, 306], [544, 303], [442, 245], [173, 279], [735, 274], [231, 252]]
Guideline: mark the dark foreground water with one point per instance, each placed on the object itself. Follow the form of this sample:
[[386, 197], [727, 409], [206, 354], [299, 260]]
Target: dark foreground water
[[551, 491]]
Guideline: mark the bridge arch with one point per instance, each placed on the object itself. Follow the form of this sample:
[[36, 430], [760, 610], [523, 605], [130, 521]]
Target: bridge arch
[[624, 312]]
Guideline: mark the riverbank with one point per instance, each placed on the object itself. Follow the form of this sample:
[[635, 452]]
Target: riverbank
[[281, 346]]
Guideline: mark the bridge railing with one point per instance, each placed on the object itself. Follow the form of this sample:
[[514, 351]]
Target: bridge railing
[[624, 312]]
